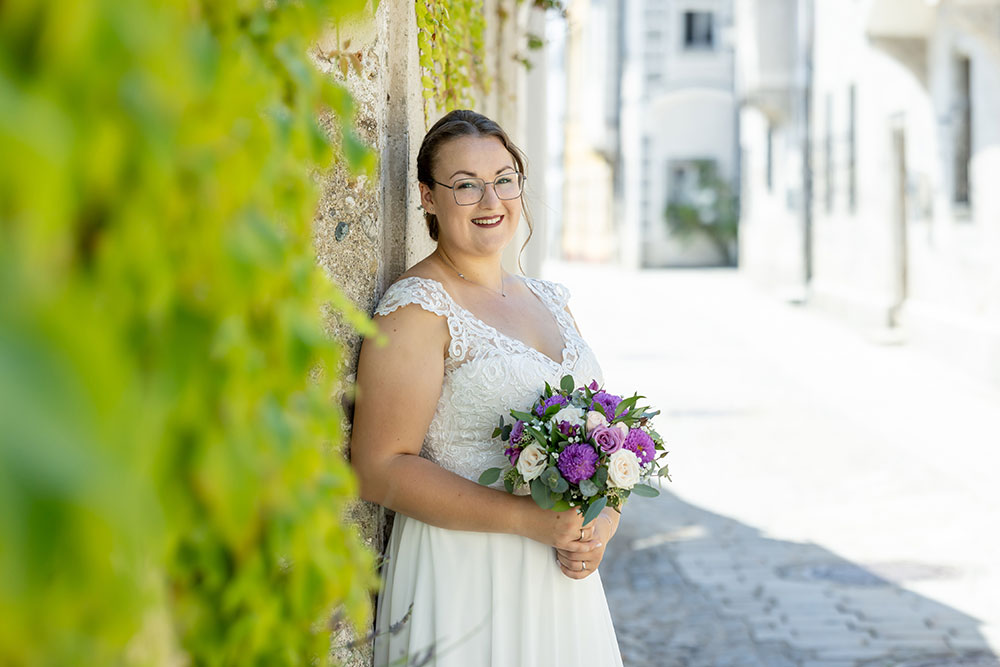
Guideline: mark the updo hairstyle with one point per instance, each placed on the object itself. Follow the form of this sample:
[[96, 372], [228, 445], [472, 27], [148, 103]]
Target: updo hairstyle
[[462, 123]]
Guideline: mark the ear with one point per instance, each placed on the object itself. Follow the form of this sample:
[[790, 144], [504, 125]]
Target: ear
[[427, 199]]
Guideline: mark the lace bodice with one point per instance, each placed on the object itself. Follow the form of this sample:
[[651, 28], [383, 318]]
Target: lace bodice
[[487, 373]]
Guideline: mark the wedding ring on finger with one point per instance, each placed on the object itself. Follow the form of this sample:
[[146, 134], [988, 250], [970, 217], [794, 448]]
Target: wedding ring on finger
[[583, 565], [581, 534]]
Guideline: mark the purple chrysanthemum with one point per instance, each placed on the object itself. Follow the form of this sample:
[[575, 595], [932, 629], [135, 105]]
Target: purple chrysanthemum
[[639, 442], [517, 431], [607, 401], [578, 462], [557, 399]]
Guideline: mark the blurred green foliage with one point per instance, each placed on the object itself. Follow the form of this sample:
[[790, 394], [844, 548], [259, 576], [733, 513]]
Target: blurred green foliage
[[171, 482], [710, 209]]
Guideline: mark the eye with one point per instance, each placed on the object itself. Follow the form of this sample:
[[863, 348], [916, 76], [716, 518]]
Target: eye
[[465, 185], [506, 179]]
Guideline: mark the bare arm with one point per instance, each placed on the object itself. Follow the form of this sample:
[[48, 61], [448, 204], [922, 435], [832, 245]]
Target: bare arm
[[398, 388]]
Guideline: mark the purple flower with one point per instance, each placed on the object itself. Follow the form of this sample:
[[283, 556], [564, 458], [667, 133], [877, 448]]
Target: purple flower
[[557, 399], [608, 438], [608, 401], [577, 462], [568, 429], [512, 453], [517, 431], [639, 442]]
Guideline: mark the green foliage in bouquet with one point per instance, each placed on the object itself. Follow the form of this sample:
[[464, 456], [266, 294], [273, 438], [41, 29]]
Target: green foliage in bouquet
[[550, 489], [171, 484]]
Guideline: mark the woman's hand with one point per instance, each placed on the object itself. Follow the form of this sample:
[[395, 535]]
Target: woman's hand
[[588, 552], [561, 530]]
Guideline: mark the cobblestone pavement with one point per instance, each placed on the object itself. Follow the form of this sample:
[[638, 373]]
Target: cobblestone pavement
[[833, 501]]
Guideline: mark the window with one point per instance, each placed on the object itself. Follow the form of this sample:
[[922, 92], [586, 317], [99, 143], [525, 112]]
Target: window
[[828, 164], [963, 128], [699, 30], [852, 149], [769, 165]]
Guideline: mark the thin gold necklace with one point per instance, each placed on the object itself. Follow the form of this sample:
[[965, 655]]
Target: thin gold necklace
[[462, 275]]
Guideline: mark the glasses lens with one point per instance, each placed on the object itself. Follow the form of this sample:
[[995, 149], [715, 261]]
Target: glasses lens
[[508, 185], [468, 191]]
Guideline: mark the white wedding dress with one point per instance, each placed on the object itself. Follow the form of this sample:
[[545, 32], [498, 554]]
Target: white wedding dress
[[482, 599]]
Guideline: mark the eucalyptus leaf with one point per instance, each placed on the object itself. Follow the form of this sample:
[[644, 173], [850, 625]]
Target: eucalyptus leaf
[[489, 476], [540, 494], [560, 506], [601, 477], [645, 490], [594, 509], [567, 384], [561, 485], [588, 488], [508, 484], [523, 416]]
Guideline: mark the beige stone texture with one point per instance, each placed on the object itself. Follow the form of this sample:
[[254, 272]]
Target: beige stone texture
[[369, 230]]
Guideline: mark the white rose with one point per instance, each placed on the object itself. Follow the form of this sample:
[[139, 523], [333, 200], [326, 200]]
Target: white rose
[[595, 419], [569, 414], [623, 469], [623, 428], [531, 462]]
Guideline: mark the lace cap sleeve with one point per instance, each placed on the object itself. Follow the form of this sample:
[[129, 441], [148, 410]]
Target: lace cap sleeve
[[557, 293], [423, 292]]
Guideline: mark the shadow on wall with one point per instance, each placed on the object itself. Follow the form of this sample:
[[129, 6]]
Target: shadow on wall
[[691, 588]]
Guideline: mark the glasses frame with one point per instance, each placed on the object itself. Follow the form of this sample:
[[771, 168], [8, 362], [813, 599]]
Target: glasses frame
[[521, 179]]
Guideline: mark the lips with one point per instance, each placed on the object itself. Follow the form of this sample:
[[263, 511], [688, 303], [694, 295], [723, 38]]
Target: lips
[[491, 221]]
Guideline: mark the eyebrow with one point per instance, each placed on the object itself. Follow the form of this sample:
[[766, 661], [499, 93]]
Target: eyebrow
[[499, 171]]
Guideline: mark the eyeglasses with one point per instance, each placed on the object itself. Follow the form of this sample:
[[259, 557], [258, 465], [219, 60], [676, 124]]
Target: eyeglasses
[[469, 191]]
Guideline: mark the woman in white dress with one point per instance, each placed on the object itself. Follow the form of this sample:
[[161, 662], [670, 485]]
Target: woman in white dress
[[473, 575]]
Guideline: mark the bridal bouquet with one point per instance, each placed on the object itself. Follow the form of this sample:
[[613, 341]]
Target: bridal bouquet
[[581, 447]]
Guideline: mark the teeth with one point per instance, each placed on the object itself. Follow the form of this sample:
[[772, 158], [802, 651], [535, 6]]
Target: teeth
[[487, 221]]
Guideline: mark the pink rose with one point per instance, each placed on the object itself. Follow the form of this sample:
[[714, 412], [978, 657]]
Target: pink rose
[[608, 439]]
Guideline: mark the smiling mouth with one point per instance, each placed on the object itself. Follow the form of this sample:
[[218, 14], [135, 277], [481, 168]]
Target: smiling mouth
[[488, 222]]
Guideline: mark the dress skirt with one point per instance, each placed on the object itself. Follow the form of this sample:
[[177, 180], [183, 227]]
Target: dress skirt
[[481, 599]]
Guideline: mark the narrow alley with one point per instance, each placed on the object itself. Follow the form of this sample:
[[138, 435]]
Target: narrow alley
[[834, 499]]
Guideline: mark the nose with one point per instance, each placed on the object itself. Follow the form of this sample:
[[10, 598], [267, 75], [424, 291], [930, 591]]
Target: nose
[[490, 197]]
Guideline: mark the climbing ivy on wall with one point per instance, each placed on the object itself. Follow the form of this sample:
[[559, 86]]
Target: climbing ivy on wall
[[171, 483], [451, 38]]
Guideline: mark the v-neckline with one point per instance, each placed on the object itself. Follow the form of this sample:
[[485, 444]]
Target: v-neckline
[[528, 281]]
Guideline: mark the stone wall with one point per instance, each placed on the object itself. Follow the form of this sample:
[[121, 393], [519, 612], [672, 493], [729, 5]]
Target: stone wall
[[367, 232]]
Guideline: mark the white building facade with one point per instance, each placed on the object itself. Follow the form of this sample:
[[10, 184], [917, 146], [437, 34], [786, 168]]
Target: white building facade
[[679, 111], [650, 98], [871, 136]]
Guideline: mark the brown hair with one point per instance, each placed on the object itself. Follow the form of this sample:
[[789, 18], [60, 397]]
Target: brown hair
[[463, 123]]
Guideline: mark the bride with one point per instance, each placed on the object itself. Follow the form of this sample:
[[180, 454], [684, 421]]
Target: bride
[[473, 575]]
